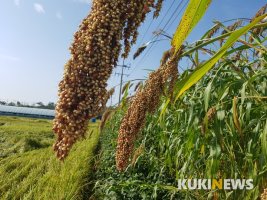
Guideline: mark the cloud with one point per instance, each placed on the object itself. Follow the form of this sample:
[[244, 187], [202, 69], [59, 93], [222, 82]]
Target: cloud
[[39, 8], [83, 1], [59, 15], [8, 57], [17, 2]]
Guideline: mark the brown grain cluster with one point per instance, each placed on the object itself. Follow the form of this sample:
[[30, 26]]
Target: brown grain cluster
[[158, 8], [213, 31], [209, 117], [94, 53], [232, 27], [145, 101], [259, 30], [264, 194]]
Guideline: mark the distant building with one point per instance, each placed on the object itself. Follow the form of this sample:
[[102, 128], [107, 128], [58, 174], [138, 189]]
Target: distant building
[[26, 112]]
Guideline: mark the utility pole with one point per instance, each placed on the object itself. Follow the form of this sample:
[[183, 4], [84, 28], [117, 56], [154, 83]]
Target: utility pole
[[122, 74]]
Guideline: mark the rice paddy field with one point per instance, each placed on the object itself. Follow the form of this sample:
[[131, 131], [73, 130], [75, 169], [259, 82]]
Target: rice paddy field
[[30, 170]]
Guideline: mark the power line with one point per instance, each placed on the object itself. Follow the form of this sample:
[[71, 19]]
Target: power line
[[157, 36], [178, 13], [123, 66], [166, 14], [153, 37], [175, 11], [150, 24], [138, 79], [140, 43]]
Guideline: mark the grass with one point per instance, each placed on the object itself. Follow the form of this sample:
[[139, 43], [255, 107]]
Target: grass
[[190, 143], [29, 169]]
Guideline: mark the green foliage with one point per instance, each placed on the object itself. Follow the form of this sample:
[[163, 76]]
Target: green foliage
[[30, 169], [178, 147], [201, 70]]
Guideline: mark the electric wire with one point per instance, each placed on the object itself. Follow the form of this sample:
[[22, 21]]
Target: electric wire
[[157, 36]]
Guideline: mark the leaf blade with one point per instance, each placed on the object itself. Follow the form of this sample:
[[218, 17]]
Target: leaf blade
[[193, 78], [194, 12]]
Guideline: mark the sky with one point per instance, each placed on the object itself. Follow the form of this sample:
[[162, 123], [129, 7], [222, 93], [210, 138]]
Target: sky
[[36, 34]]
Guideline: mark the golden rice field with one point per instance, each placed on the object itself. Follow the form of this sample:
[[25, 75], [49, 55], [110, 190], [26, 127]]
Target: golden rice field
[[29, 168]]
